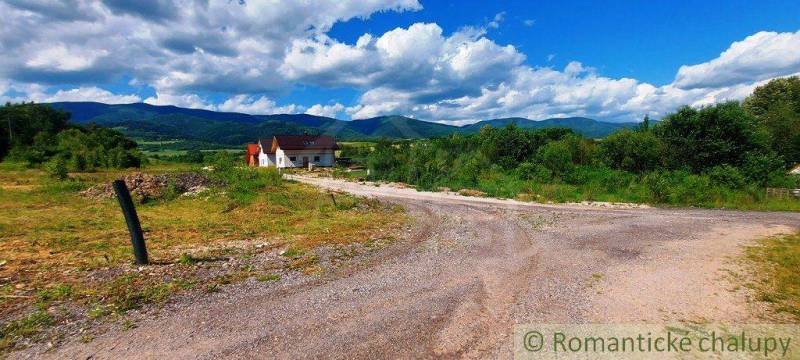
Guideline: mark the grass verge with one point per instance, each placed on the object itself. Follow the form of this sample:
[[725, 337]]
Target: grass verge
[[776, 261]]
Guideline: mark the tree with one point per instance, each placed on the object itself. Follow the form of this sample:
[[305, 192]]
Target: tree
[[699, 139], [637, 151], [21, 123], [645, 124], [777, 107], [557, 157]]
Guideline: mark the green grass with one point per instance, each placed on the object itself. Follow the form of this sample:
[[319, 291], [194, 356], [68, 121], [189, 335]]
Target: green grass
[[612, 186], [52, 238], [777, 280], [268, 277]]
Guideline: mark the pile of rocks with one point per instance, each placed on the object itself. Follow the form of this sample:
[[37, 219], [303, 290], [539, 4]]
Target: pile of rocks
[[145, 186]]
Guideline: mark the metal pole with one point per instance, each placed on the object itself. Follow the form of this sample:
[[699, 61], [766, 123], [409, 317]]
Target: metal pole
[[134, 227]]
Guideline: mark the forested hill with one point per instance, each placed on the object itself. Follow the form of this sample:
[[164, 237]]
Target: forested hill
[[152, 122], [587, 127]]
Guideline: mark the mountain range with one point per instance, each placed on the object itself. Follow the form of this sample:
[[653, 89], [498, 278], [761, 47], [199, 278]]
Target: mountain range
[[152, 122]]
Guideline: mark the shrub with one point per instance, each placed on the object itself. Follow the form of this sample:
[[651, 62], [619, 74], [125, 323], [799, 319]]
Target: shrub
[[728, 176], [760, 168], [637, 151], [556, 157], [56, 168], [534, 171], [711, 136]]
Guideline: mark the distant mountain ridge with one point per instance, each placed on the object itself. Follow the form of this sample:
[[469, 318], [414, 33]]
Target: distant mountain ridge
[[171, 122], [588, 127]]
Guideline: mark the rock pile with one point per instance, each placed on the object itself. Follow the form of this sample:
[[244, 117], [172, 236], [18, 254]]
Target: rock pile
[[145, 186]]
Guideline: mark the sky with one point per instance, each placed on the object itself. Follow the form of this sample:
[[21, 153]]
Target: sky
[[454, 62]]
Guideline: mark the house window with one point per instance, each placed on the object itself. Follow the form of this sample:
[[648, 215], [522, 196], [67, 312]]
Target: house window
[[316, 158], [292, 158]]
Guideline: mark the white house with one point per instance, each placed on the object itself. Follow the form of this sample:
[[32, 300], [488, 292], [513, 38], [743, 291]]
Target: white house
[[285, 151]]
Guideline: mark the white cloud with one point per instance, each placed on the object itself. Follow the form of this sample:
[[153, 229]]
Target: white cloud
[[760, 56], [62, 59], [191, 101], [498, 18], [88, 94], [257, 105], [176, 47], [39, 94], [326, 110], [529, 22]]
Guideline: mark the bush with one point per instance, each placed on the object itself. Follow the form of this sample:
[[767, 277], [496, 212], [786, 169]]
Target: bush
[[556, 157], [56, 168], [761, 168], [534, 171], [728, 176], [637, 151], [715, 135], [659, 186]]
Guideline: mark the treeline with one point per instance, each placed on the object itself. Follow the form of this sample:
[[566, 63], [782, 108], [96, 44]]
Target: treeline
[[199, 157], [38, 134], [713, 156]]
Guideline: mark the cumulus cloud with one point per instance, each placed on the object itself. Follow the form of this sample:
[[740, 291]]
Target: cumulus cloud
[[92, 93], [760, 56], [226, 46], [326, 110], [192, 101], [257, 105]]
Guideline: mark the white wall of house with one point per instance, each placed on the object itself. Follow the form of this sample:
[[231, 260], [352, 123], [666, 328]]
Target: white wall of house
[[265, 159], [294, 158]]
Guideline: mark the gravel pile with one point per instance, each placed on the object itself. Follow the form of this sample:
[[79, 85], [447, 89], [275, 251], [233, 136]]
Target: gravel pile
[[145, 186]]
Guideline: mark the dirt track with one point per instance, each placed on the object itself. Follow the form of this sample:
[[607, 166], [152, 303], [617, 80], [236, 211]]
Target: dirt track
[[469, 270]]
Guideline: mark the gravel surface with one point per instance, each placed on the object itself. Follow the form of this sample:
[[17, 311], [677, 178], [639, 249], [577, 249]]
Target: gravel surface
[[469, 270]]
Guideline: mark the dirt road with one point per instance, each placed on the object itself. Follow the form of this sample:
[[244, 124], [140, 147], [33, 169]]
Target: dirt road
[[469, 270]]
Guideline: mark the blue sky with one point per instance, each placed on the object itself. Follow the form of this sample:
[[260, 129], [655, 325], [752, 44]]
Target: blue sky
[[648, 40], [448, 61]]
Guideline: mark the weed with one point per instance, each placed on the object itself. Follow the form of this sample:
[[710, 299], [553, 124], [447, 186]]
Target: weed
[[268, 277], [293, 253], [56, 293], [187, 259], [29, 326], [128, 324], [86, 338], [98, 311]]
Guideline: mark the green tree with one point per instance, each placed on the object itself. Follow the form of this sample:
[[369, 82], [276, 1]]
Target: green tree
[[637, 151], [557, 157], [21, 123], [56, 168], [699, 139], [777, 106]]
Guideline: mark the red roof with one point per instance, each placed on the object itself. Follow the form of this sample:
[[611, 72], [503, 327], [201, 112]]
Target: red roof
[[300, 142]]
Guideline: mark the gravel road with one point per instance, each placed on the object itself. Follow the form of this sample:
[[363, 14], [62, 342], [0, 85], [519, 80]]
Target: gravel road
[[468, 271]]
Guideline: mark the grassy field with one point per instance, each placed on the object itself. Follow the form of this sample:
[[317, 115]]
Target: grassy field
[[778, 281], [60, 250]]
